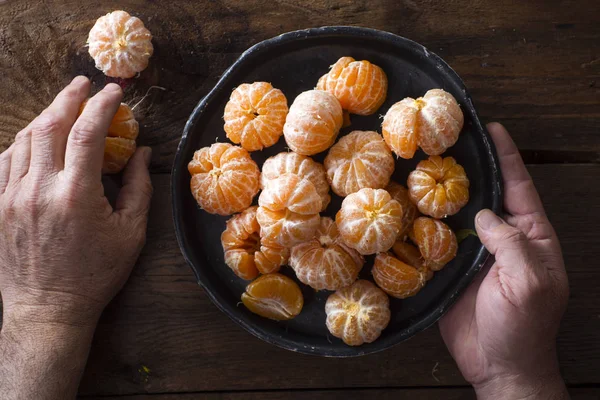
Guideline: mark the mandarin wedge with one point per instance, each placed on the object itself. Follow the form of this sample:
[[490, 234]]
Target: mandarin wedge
[[439, 187], [274, 296], [369, 221], [303, 166], [397, 278], [224, 178], [359, 160], [254, 115], [432, 122], [360, 86], [409, 209], [358, 313], [325, 262], [313, 122], [437, 243], [409, 254], [245, 253]]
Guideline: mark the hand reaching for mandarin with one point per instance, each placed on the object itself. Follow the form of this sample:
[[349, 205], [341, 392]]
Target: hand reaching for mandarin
[[65, 251], [502, 331]]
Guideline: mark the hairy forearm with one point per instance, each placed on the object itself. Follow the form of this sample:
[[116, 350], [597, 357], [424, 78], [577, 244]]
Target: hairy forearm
[[42, 361]]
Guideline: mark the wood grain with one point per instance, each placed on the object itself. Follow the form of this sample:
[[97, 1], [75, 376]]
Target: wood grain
[[164, 321], [532, 65]]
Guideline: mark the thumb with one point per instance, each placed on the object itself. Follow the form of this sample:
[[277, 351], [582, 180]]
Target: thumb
[[136, 193]]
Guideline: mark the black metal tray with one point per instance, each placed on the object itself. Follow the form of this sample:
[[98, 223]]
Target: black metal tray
[[293, 62]]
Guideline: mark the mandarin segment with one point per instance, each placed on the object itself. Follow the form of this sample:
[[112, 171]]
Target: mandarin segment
[[360, 86], [254, 115], [303, 166], [325, 262], [409, 254], [274, 296], [224, 178], [369, 221], [313, 122], [245, 253], [437, 243], [120, 44], [439, 187], [409, 209], [359, 160], [358, 313], [397, 278], [433, 122]]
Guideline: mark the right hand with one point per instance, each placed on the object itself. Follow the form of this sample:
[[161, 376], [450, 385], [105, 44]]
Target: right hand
[[502, 331]]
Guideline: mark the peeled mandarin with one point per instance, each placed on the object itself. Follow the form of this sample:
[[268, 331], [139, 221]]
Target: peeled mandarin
[[439, 187], [224, 178], [313, 122], [325, 262], [409, 254], [358, 313], [437, 243], [245, 253], [409, 209], [397, 278], [360, 86], [273, 296], [359, 160], [369, 221], [120, 44], [433, 122], [254, 115], [303, 166]]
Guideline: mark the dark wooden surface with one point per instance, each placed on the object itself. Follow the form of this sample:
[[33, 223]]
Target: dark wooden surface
[[535, 66]]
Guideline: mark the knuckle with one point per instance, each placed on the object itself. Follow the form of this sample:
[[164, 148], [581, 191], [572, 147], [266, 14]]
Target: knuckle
[[48, 122], [25, 134], [514, 236], [146, 188], [84, 134]]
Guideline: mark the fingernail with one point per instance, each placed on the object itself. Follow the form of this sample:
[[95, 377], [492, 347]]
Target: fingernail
[[487, 220], [147, 153], [79, 79], [112, 87]]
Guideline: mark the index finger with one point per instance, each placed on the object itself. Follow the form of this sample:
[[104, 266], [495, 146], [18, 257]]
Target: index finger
[[520, 194], [85, 146]]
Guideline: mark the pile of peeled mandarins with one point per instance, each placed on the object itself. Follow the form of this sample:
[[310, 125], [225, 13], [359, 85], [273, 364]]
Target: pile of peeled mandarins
[[401, 226]]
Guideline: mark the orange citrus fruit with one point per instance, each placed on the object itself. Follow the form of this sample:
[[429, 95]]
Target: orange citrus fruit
[[359, 160], [254, 115], [409, 254], [288, 211], [433, 122], [303, 166], [360, 86], [245, 253], [397, 278], [120, 141], [358, 313], [409, 210], [273, 296], [313, 122], [325, 262], [439, 187], [224, 178], [120, 44], [437, 243], [369, 221]]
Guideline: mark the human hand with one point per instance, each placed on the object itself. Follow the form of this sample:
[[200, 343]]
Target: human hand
[[64, 251], [502, 331]]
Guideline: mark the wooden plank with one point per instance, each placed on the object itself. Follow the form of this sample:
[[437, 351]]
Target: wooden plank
[[529, 64], [163, 321]]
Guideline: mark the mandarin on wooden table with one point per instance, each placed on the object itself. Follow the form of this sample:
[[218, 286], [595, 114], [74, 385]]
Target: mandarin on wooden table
[[303, 166], [288, 211], [325, 262], [359, 160], [432, 122], [224, 178], [437, 243], [245, 253], [358, 313], [120, 44], [360, 86], [119, 144], [409, 254], [254, 115], [439, 186], [274, 296], [313, 122], [369, 221], [397, 278], [409, 209]]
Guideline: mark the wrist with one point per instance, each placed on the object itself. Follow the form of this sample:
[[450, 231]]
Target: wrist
[[530, 386]]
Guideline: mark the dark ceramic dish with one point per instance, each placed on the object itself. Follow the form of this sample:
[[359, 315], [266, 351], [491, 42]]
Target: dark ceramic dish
[[293, 62]]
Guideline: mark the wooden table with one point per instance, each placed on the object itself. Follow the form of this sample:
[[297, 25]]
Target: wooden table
[[533, 65]]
